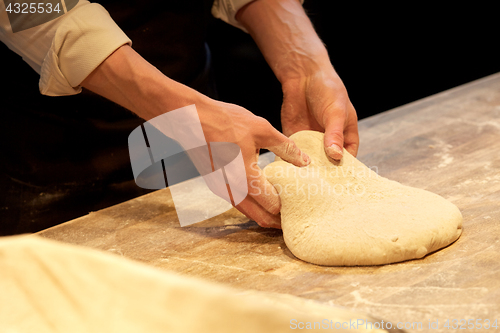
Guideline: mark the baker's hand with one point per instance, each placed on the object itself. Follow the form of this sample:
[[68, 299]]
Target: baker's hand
[[129, 80], [319, 102], [314, 96], [223, 122]]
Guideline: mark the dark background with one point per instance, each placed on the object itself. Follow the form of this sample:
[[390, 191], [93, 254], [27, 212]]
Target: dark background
[[387, 56]]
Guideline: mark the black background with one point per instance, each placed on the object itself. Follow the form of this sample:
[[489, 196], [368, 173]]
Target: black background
[[387, 56]]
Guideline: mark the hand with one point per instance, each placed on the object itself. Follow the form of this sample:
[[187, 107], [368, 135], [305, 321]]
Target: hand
[[129, 80], [222, 122], [319, 102], [314, 96]]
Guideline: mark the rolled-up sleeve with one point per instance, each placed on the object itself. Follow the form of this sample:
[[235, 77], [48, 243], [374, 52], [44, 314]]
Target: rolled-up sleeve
[[65, 50], [226, 11]]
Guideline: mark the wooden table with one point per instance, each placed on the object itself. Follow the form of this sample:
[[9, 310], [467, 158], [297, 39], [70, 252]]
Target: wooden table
[[448, 144]]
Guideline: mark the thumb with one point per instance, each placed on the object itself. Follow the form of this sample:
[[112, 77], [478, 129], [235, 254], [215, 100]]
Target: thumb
[[334, 138], [288, 151]]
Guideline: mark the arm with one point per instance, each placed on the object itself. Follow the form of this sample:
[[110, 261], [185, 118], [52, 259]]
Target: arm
[[314, 96], [129, 80], [111, 68]]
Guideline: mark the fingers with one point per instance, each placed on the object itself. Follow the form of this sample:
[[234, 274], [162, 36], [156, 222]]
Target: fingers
[[288, 151], [262, 203], [351, 136], [261, 190], [282, 146], [342, 131], [255, 212], [334, 137]]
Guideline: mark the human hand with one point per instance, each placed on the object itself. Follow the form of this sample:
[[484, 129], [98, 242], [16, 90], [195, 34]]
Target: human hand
[[314, 96], [223, 122], [127, 79], [319, 102]]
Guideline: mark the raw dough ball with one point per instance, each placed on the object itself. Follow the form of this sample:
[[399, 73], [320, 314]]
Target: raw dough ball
[[344, 214]]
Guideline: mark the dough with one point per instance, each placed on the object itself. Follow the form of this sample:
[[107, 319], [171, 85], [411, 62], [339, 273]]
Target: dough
[[52, 287], [345, 214]]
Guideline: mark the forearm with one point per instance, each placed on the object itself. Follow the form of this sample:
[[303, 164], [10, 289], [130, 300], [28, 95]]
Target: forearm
[[285, 36], [129, 80]]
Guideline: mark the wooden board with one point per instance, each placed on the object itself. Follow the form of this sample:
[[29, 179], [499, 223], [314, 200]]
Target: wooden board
[[448, 144]]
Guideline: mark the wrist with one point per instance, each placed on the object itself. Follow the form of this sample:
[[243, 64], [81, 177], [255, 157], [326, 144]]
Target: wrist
[[299, 66], [297, 79], [163, 94]]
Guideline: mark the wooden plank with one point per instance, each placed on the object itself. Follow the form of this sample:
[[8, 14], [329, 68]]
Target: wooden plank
[[448, 143]]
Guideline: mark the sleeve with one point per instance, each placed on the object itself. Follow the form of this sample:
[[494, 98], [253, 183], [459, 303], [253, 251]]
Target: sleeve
[[226, 11], [65, 50]]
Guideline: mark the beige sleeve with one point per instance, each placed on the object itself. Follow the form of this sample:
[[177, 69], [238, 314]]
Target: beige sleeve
[[226, 11], [65, 50]]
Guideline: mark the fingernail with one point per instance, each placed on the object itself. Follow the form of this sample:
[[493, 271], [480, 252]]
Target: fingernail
[[271, 223], [335, 152], [275, 225], [306, 159]]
